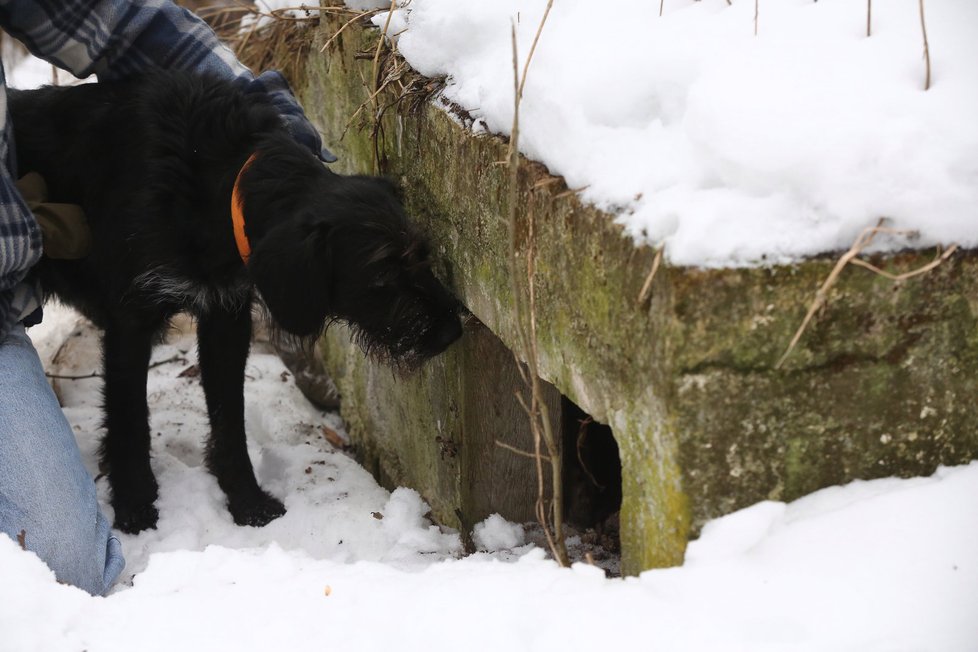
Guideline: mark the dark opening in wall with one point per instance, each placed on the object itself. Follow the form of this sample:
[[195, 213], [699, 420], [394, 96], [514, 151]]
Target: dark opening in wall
[[591, 472]]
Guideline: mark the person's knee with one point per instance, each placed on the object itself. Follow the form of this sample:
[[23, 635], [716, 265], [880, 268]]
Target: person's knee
[[47, 497], [76, 542]]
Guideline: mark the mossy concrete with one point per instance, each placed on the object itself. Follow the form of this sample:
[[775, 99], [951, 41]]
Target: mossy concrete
[[882, 383]]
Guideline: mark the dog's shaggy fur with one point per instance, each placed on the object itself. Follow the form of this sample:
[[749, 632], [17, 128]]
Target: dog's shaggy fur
[[152, 162]]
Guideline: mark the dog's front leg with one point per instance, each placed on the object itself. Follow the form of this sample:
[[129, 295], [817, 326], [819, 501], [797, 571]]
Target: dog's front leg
[[126, 348], [223, 338]]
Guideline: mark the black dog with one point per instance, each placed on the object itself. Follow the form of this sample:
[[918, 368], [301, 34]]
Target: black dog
[[154, 163]]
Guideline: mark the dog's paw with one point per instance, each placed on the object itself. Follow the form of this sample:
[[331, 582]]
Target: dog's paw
[[257, 511], [133, 519]]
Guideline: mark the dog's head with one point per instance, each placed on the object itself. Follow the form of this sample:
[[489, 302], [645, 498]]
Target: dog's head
[[341, 248]]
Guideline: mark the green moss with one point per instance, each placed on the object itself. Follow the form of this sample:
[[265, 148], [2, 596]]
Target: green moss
[[881, 383], [655, 511]]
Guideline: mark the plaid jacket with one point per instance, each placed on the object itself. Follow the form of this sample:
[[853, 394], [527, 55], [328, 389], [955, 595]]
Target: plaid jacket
[[111, 39]]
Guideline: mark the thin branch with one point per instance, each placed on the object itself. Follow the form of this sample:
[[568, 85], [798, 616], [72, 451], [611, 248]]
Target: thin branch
[[519, 451], [537, 411], [375, 135], [864, 240], [923, 29], [582, 433], [533, 47], [94, 374], [343, 27], [391, 78], [643, 295], [940, 258], [869, 18], [380, 44]]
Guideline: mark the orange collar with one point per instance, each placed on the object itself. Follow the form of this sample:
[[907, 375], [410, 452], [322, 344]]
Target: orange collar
[[237, 214]]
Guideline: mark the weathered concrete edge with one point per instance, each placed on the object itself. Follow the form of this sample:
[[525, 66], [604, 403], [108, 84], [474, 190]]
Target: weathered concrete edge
[[583, 344]]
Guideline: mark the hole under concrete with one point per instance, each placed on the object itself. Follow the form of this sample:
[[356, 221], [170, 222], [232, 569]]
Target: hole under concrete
[[591, 472]]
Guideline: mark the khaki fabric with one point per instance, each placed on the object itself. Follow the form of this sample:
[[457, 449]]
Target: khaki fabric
[[64, 229]]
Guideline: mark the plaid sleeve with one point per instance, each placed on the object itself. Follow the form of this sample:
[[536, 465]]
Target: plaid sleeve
[[117, 38], [114, 39], [20, 248]]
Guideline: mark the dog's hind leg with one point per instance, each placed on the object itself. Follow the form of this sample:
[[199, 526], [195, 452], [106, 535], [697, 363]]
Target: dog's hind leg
[[126, 348], [223, 338]]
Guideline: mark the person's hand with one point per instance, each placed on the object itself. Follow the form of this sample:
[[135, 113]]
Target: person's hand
[[64, 230], [273, 84]]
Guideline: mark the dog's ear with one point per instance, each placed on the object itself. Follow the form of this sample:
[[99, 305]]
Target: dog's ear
[[292, 267]]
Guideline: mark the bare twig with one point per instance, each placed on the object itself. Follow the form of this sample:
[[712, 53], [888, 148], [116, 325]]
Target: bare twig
[[643, 295], [571, 191], [525, 309], [371, 99], [533, 47], [864, 240], [378, 85], [343, 27], [581, 436], [96, 374], [869, 18], [518, 451], [923, 29], [520, 81], [380, 44], [940, 258], [756, 12]]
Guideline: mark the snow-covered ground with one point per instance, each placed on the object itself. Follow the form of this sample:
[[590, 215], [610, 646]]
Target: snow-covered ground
[[731, 149], [887, 565], [883, 565]]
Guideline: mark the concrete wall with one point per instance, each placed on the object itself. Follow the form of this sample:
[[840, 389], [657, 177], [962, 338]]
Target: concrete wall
[[883, 382]]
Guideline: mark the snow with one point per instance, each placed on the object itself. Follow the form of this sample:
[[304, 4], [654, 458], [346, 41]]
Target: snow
[[729, 149], [496, 533], [268, 9], [870, 566], [881, 565]]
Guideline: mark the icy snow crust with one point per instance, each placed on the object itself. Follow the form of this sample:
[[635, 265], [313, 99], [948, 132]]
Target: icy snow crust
[[730, 149]]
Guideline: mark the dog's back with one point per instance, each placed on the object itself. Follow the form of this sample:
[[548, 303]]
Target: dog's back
[[150, 161]]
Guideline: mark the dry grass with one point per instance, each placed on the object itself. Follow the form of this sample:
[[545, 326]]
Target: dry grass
[[357, 17], [281, 42], [393, 84]]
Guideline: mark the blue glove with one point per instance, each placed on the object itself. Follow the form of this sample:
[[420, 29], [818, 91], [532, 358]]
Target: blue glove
[[273, 84]]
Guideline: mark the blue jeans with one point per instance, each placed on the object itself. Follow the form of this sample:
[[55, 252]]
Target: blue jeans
[[45, 491]]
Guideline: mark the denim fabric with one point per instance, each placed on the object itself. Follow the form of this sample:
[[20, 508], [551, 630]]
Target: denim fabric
[[45, 490]]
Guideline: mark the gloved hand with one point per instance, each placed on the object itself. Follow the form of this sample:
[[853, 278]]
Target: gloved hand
[[273, 84], [64, 230]]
